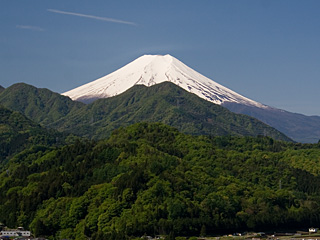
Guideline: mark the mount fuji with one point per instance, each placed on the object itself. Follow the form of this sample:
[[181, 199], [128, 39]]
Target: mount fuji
[[150, 70]]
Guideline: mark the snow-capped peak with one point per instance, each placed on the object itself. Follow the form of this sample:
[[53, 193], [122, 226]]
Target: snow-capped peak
[[153, 69]]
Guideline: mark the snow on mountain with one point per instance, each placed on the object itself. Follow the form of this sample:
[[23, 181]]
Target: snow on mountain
[[153, 69]]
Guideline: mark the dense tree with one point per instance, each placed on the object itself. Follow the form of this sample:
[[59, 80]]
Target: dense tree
[[151, 179]]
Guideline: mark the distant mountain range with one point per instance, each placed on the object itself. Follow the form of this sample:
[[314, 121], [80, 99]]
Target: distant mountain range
[[301, 128], [163, 102], [149, 70]]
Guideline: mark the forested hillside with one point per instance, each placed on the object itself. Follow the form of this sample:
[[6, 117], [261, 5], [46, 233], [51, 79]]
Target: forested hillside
[[166, 103], [18, 133], [152, 179], [39, 104]]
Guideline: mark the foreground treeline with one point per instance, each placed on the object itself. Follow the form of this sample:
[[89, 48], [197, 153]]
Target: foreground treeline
[[151, 179]]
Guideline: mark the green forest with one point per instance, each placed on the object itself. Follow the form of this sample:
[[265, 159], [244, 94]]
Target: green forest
[[149, 178], [17, 133]]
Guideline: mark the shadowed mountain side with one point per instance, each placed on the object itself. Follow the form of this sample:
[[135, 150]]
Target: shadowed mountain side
[[166, 103], [41, 105], [1, 89], [299, 127]]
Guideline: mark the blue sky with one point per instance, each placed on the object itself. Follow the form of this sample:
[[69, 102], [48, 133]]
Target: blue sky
[[267, 50]]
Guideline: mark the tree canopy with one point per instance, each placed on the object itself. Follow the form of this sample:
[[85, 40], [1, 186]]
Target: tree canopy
[[151, 179]]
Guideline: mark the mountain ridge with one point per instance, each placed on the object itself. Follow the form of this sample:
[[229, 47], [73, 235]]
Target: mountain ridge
[[39, 104], [161, 102], [167, 103]]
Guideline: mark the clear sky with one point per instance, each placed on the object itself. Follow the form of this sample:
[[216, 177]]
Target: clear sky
[[266, 50]]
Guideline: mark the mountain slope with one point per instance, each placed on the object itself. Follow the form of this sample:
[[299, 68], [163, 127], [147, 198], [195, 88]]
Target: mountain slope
[[1, 89], [149, 70], [299, 127], [41, 105], [166, 103], [18, 133]]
